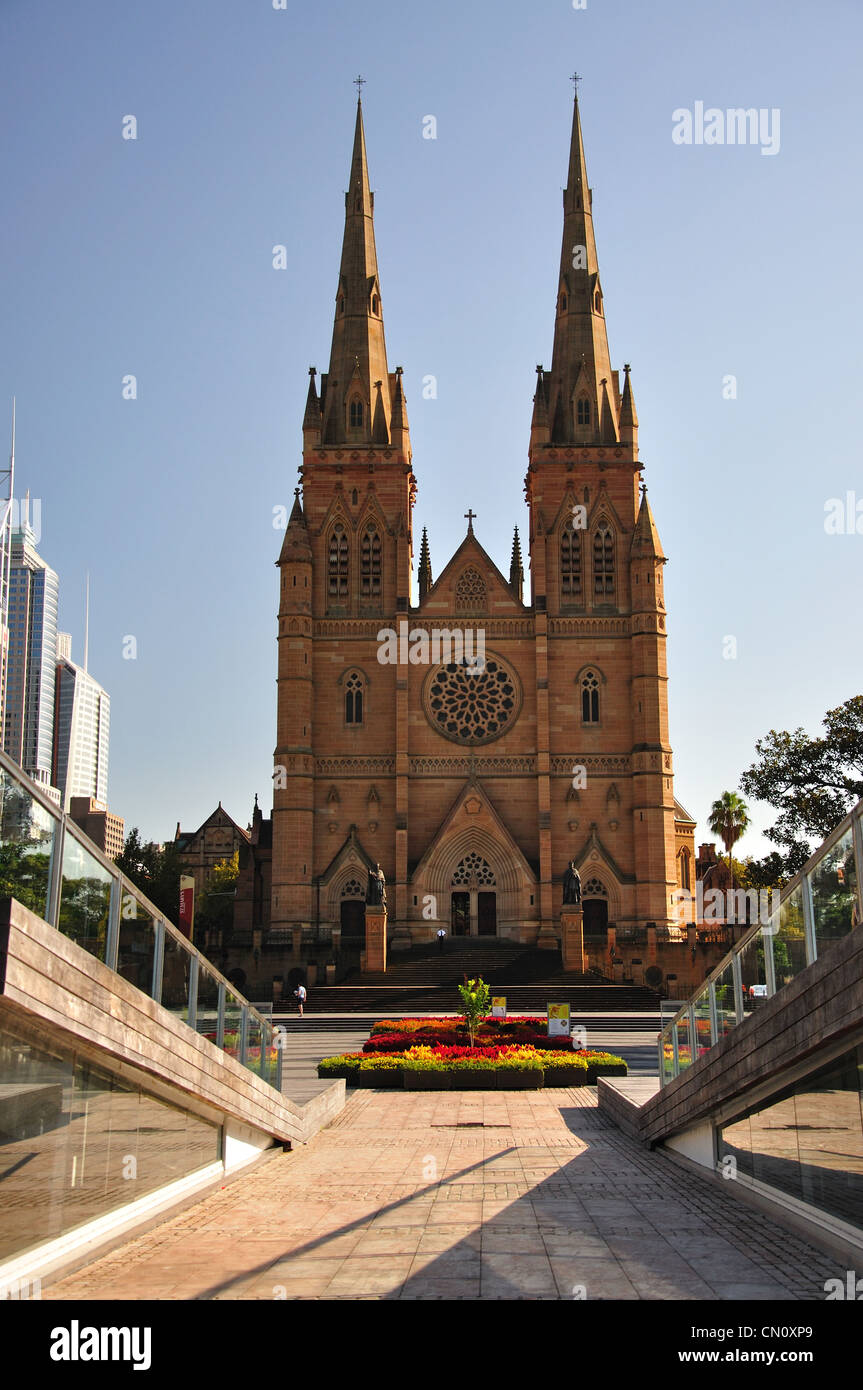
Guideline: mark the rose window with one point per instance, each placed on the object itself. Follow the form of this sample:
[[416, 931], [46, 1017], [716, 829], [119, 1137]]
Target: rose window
[[472, 704], [473, 869]]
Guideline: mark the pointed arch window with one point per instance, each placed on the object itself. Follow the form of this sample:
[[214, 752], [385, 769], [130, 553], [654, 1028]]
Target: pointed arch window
[[590, 698], [355, 414], [570, 563], [563, 303], [582, 411], [683, 869], [370, 563], [597, 302], [375, 303], [603, 563], [337, 563], [354, 692]]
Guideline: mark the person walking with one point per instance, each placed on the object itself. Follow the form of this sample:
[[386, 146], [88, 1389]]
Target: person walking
[[300, 992], [441, 938]]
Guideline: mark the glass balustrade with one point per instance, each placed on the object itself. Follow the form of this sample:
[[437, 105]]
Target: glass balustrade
[[819, 907], [49, 866]]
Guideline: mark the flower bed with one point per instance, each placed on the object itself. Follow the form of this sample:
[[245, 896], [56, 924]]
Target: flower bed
[[441, 1066], [396, 1042]]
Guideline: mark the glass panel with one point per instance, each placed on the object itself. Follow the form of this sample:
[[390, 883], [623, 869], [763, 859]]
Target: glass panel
[[684, 1047], [726, 1013], [85, 896], [808, 1139], [253, 1043], [753, 973], [137, 942], [26, 835], [233, 1023], [272, 1069], [834, 889], [207, 1016], [667, 1057], [789, 943], [175, 976], [701, 1009], [77, 1142]]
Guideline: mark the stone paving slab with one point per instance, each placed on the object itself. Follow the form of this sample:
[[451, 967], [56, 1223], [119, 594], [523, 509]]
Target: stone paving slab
[[470, 1195]]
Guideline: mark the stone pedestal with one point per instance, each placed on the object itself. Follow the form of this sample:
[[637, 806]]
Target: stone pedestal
[[572, 937], [374, 957]]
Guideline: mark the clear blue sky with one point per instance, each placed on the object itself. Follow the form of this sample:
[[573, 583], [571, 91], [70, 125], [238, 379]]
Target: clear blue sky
[[153, 257]]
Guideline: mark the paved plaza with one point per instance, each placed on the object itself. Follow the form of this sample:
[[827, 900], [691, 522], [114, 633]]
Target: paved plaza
[[464, 1195]]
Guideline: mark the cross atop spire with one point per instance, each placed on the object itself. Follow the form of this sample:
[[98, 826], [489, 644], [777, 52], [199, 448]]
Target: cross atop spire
[[575, 79], [469, 515], [359, 83]]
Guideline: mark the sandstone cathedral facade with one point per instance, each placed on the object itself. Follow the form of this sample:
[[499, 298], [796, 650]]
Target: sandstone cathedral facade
[[473, 786]]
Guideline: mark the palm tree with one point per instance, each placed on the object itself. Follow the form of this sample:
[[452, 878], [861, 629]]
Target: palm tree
[[729, 819]]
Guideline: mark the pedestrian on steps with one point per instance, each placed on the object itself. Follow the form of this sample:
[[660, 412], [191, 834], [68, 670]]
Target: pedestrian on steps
[[441, 937], [300, 993]]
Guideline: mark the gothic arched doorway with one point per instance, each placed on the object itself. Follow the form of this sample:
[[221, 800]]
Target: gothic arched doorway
[[352, 914], [473, 900], [595, 907]]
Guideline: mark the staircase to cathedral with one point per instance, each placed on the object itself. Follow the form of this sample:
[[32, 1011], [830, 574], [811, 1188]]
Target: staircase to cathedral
[[426, 980]]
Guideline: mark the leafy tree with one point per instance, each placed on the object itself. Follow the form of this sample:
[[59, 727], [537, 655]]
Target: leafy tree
[[811, 782], [215, 910], [24, 874], [729, 820], [155, 869], [768, 872]]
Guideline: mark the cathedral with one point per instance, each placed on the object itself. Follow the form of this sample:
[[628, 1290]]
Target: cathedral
[[472, 783]]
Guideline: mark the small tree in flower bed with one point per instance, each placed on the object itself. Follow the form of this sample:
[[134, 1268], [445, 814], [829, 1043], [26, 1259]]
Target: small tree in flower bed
[[475, 996]]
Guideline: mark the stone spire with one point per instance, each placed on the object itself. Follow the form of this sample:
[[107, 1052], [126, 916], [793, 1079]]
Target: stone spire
[[645, 541], [425, 569], [516, 569], [296, 545], [356, 392], [581, 408], [628, 416]]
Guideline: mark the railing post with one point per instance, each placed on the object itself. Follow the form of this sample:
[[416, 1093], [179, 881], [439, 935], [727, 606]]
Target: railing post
[[660, 1047], [193, 992], [52, 909], [112, 940], [769, 963], [714, 1016], [738, 986], [675, 1056], [220, 1017], [808, 920], [158, 958], [242, 1040], [857, 830]]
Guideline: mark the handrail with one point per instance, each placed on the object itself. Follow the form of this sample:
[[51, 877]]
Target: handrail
[[671, 1062], [122, 888]]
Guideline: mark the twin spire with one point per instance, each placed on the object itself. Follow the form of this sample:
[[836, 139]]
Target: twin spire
[[361, 401], [579, 399]]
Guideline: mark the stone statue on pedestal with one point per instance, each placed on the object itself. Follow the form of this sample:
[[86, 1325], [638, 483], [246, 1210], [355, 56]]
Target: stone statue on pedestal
[[571, 885], [376, 891]]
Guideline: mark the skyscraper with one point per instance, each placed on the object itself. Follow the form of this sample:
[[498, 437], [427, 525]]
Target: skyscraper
[[81, 730], [31, 657]]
